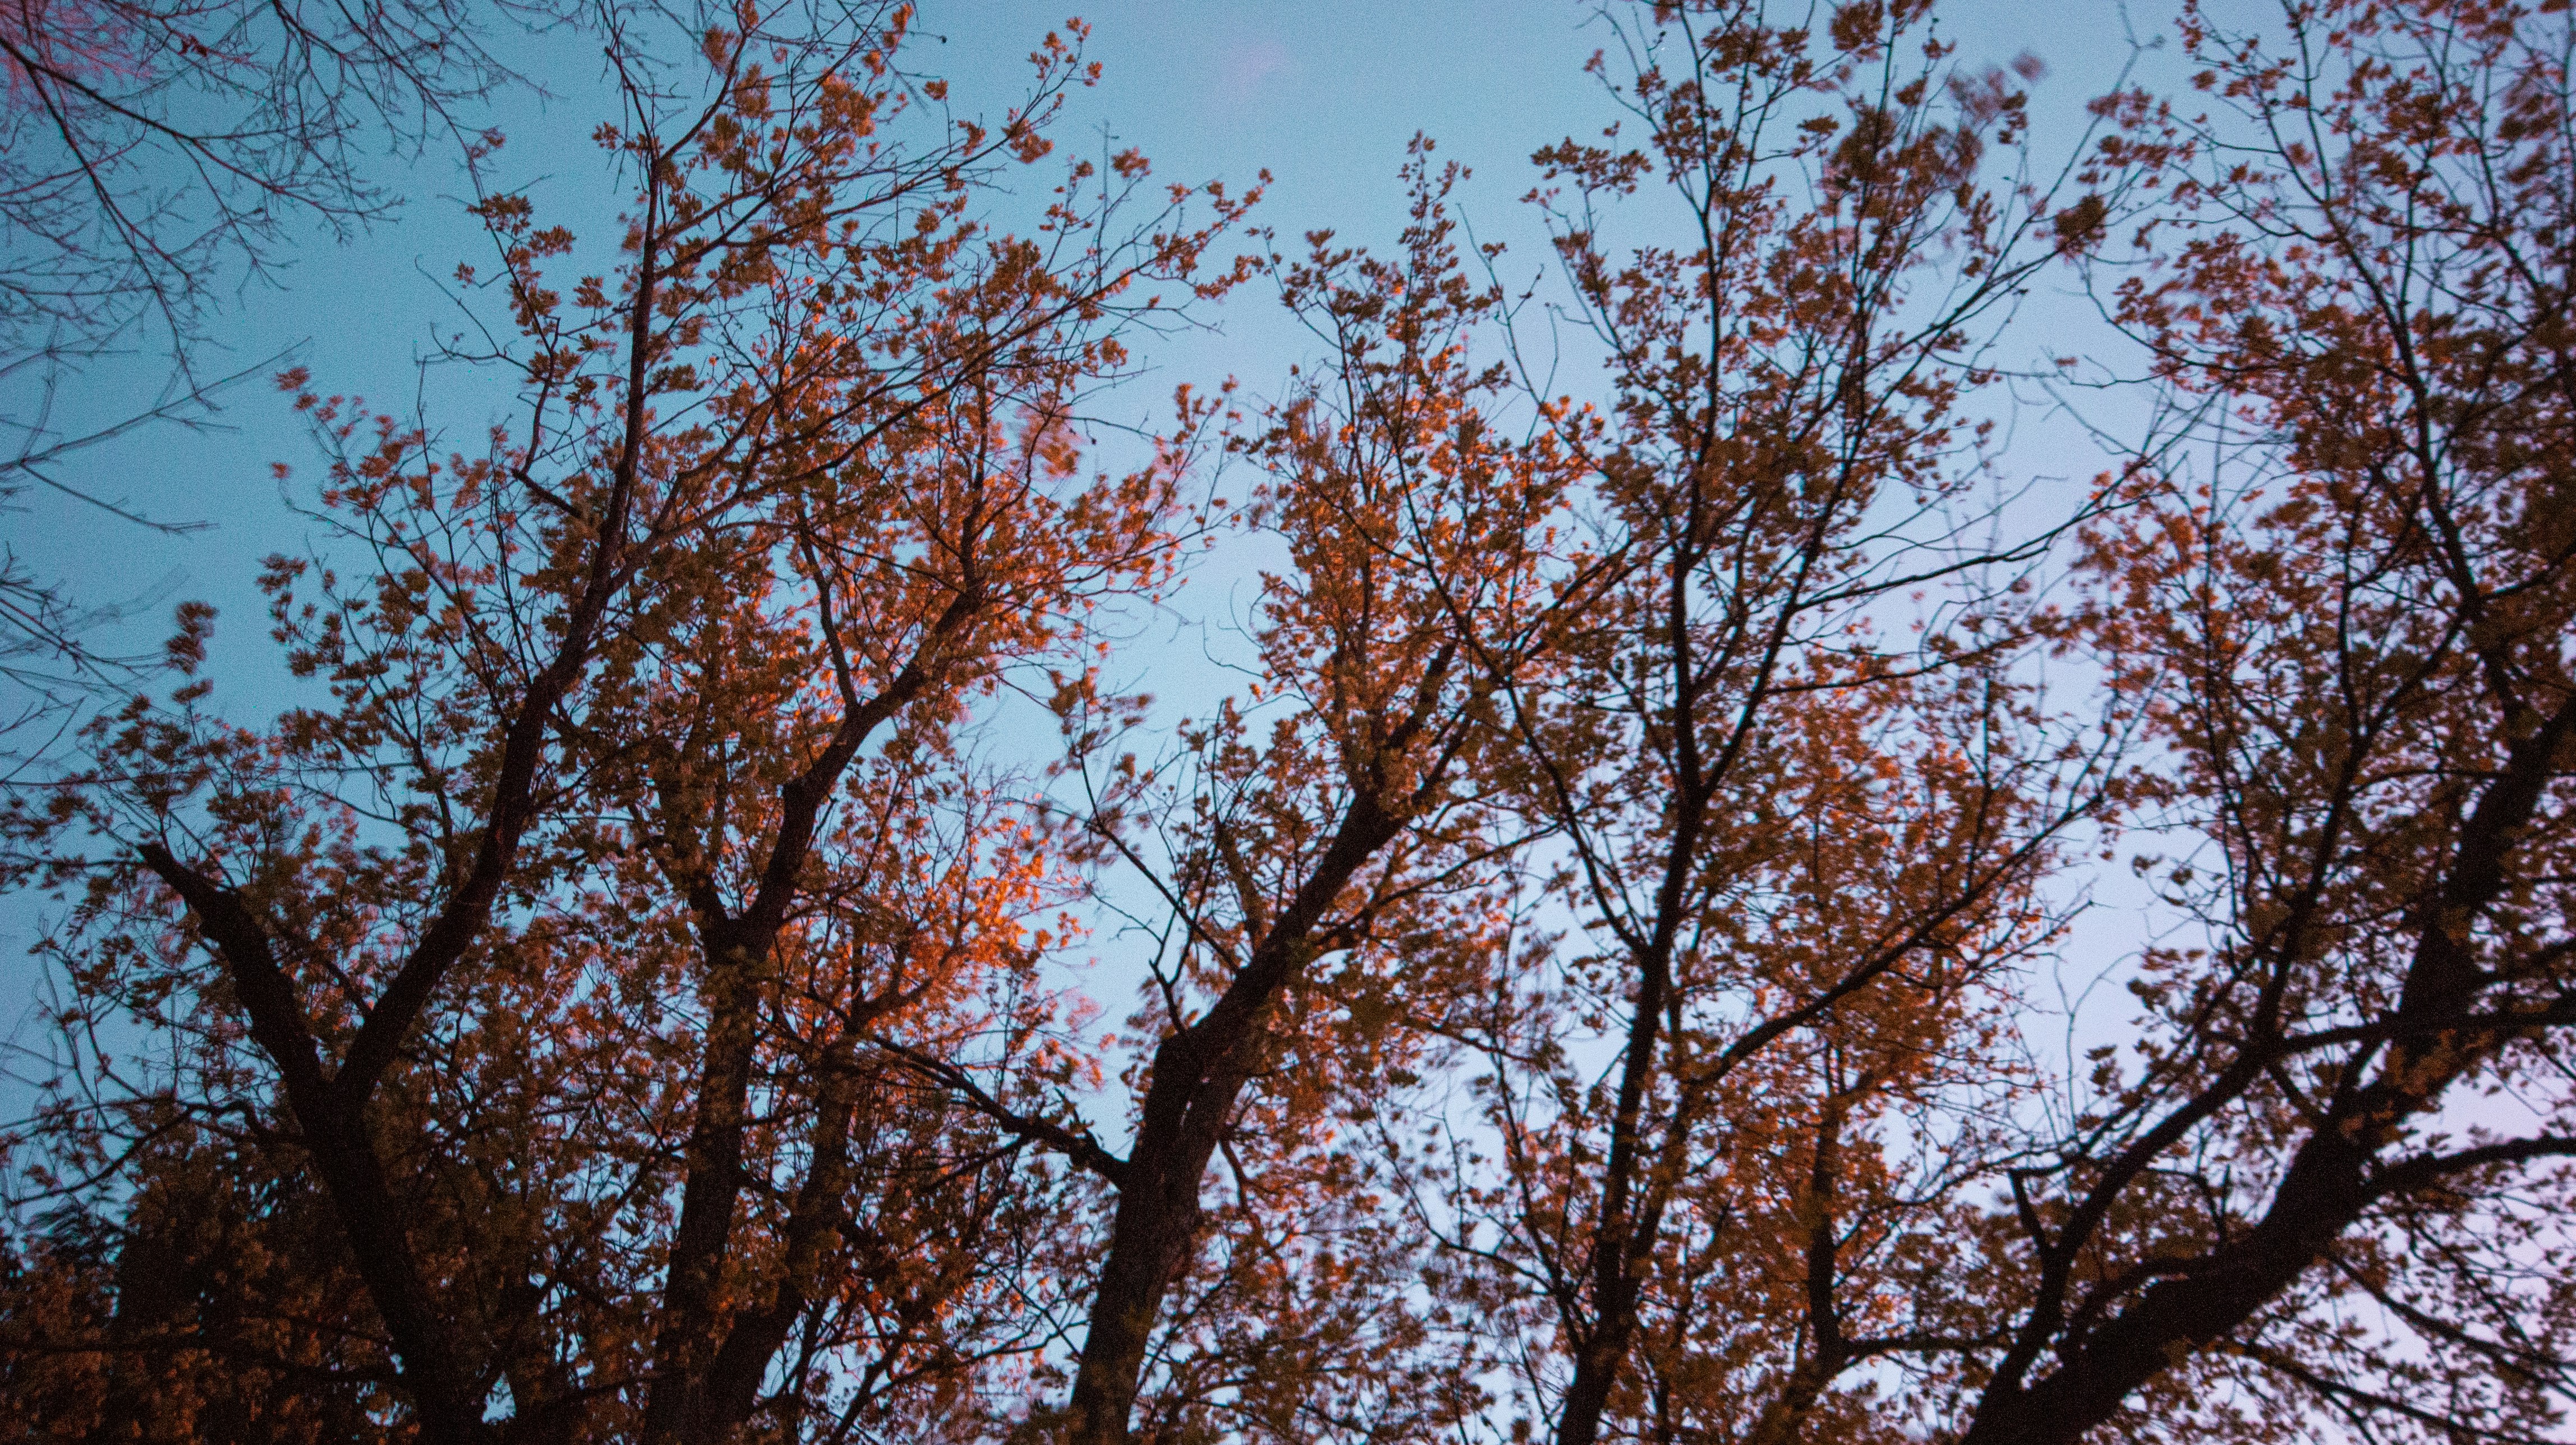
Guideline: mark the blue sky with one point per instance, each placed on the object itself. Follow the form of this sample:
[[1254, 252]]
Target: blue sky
[[1323, 93]]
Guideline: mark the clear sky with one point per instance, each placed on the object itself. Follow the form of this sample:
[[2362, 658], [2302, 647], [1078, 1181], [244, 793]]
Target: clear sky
[[1323, 93]]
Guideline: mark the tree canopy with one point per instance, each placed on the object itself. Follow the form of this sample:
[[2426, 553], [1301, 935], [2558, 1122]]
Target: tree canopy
[[723, 948]]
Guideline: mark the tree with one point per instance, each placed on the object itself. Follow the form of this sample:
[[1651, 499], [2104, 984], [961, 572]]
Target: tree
[[1316, 884], [1797, 856], [2325, 1179], [555, 943]]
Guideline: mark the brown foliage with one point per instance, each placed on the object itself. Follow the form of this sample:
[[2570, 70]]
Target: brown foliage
[[1587, 967]]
